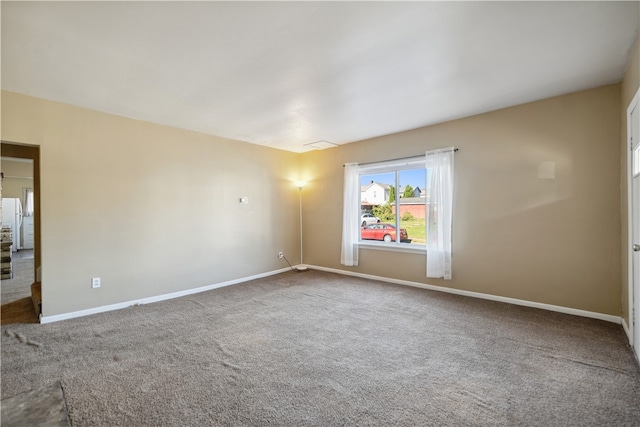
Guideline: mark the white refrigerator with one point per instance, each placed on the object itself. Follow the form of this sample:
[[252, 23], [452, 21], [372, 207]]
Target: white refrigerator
[[12, 217]]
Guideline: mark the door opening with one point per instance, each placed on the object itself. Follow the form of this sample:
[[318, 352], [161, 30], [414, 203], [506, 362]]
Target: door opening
[[21, 265], [633, 182]]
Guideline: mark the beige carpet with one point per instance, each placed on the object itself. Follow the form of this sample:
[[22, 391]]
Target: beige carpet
[[319, 349]]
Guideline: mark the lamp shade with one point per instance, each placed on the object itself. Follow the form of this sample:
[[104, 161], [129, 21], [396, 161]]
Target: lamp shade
[[300, 183]]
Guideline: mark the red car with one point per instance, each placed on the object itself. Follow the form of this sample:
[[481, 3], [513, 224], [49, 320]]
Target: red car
[[386, 232]]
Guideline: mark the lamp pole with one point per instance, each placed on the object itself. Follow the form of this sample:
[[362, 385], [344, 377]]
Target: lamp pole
[[300, 184]]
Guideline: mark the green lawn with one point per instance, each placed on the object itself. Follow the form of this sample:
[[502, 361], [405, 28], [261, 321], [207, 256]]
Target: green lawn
[[416, 229]]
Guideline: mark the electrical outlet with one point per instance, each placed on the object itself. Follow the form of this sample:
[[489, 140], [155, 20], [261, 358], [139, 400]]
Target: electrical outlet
[[280, 255], [95, 282]]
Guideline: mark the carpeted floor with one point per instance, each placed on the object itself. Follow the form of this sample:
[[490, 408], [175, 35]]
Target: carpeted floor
[[320, 349]]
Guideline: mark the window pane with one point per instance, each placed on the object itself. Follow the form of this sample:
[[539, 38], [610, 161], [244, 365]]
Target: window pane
[[376, 190], [378, 221], [412, 191]]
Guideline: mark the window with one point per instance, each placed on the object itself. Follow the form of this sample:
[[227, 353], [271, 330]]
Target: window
[[27, 196], [415, 212], [399, 209]]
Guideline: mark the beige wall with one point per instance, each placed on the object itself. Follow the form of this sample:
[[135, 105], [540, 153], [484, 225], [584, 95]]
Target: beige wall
[[12, 187], [19, 168], [630, 85], [515, 235], [150, 209], [17, 175]]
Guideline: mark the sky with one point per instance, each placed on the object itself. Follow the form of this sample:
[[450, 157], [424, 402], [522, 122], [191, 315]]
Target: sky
[[415, 178]]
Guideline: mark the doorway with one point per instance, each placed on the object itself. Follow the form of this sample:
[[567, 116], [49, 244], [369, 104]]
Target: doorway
[[20, 166], [633, 136]]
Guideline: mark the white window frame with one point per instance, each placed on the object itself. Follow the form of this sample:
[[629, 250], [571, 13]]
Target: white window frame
[[392, 166]]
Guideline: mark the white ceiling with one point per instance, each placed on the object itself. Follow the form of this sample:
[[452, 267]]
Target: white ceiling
[[286, 74]]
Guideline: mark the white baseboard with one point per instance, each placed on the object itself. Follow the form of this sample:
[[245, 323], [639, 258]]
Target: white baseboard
[[525, 303], [157, 298]]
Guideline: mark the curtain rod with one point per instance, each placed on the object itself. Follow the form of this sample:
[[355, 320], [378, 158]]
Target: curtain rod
[[404, 158]]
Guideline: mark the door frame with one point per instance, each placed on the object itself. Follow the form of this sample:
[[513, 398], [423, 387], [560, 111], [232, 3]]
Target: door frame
[[28, 151], [634, 315]]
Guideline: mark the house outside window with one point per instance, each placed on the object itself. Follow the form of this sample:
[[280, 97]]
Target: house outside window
[[374, 193]]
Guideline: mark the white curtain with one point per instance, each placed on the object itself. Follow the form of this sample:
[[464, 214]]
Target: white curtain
[[439, 213], [27, 196], [350, 216]]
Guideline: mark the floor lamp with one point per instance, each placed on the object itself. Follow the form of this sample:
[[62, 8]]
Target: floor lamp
[[301, 184]]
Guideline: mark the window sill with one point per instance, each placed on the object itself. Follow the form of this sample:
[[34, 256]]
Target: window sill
[[391, 247]]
